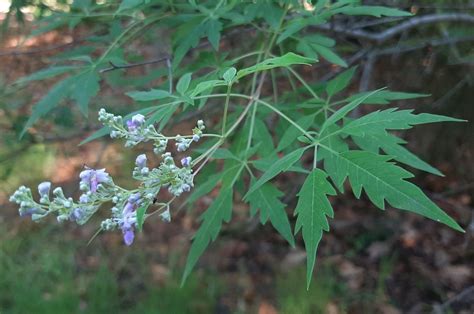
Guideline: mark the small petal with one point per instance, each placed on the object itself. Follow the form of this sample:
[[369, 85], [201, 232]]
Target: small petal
[[128, 209]]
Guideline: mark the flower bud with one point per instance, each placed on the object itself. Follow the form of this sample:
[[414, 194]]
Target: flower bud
[[140, 161], [43, 188], [138, 119], [186, 161], [166, 216]]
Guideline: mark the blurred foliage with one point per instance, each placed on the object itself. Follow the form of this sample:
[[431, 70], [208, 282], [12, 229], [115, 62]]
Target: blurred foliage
[[38, 276]]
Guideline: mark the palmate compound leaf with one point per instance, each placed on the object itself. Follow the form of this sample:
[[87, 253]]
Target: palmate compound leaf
[[312, 208], [266, 199], [382, 181]]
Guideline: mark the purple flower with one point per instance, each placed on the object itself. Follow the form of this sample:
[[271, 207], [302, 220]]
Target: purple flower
[[186, 161], [186, 187], [77, 214], [128, 209], [134, 198], [128, 236], [91, 178], [43, 188], [140, 161], [136, 122], [29, 211], [128, 219]]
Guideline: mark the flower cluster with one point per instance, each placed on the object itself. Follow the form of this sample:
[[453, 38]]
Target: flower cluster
[[98, 187], [182, 143], [135, 130]]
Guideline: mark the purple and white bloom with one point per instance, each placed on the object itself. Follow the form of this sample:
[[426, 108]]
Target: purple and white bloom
[[186, 187], [129, 218], [134, 198], [138, 119], [77, 213], [43, 188], [186, 161], [91, 178], [136, 122], [141, 161], [128, 236]]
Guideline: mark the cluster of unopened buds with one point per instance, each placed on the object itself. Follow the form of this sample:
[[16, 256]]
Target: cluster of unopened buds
[[98, 187]]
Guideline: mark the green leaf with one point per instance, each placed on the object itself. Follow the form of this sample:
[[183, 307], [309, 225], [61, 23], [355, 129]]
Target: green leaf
[[385, 96], [229, 75], [377, 11], [292, 132], [213, 30], [283, 61], [343, 111], [281, 165], [378, 122], [383, 180], [391, 145], [320, 40], [55, 95], [129, 4], [329, 55], [312, 208], [293, 26], [86, 86], [220, 211], [46, 73], [266, 198], [152, 94], [206, 85], [183, 83], [263, 137], [141, 211], [340, 82], [206, 187]]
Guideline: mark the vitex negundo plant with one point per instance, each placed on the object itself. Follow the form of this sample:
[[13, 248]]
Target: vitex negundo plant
[[262, 99]]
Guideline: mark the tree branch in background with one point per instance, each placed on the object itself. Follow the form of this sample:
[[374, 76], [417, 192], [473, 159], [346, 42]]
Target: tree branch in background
[[397, 29]]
